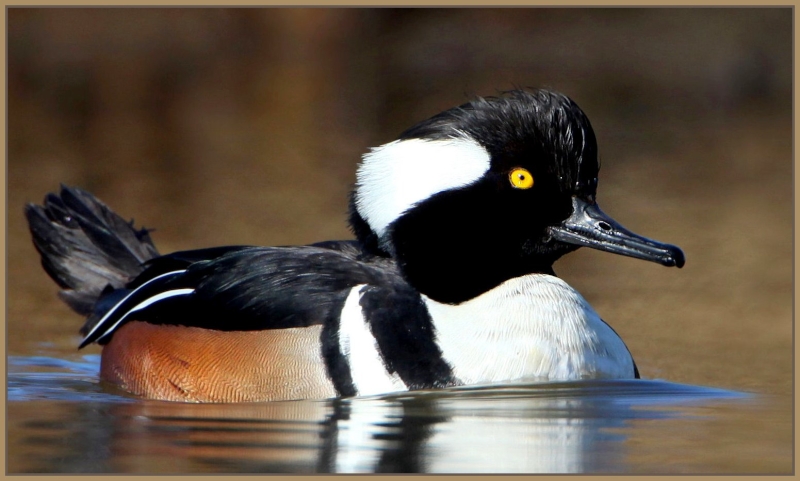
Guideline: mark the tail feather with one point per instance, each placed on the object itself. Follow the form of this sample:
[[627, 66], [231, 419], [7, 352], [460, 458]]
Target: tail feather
[[85, 246]]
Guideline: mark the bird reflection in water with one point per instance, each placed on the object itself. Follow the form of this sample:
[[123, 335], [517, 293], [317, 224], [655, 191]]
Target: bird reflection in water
[[499, 429]]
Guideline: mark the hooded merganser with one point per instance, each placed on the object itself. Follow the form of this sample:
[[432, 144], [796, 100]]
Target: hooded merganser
[[450, 281]]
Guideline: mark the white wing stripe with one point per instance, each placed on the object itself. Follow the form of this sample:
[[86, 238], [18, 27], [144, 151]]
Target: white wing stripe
[[114, 309], [149, 301]]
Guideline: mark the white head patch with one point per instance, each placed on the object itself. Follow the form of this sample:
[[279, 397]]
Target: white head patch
[[395, 176]]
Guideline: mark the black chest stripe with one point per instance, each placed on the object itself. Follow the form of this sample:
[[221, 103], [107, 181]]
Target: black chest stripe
[[404, 332], [335, 362]]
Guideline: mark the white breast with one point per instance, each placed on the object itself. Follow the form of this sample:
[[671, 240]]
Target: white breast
[[534, 327]]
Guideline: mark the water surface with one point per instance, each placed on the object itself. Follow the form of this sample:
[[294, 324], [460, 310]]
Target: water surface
[[62, 419]]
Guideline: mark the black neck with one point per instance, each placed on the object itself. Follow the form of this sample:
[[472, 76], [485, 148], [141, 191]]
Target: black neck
[[453, 255]]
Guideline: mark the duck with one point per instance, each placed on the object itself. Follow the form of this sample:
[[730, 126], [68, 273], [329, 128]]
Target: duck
[[448, 281]]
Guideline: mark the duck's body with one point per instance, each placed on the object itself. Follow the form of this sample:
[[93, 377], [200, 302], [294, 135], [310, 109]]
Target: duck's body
[[449, 282]]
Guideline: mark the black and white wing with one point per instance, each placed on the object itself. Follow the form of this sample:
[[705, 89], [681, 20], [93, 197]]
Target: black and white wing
[[241, 288]]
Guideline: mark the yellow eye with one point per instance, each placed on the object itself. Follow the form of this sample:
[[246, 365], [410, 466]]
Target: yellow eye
[[520, 178]]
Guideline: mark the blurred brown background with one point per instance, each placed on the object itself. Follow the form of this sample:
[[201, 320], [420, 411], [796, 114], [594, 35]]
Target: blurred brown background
[[244, 126]]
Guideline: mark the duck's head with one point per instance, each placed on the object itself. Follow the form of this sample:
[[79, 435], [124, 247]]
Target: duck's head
[[494, 189]]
